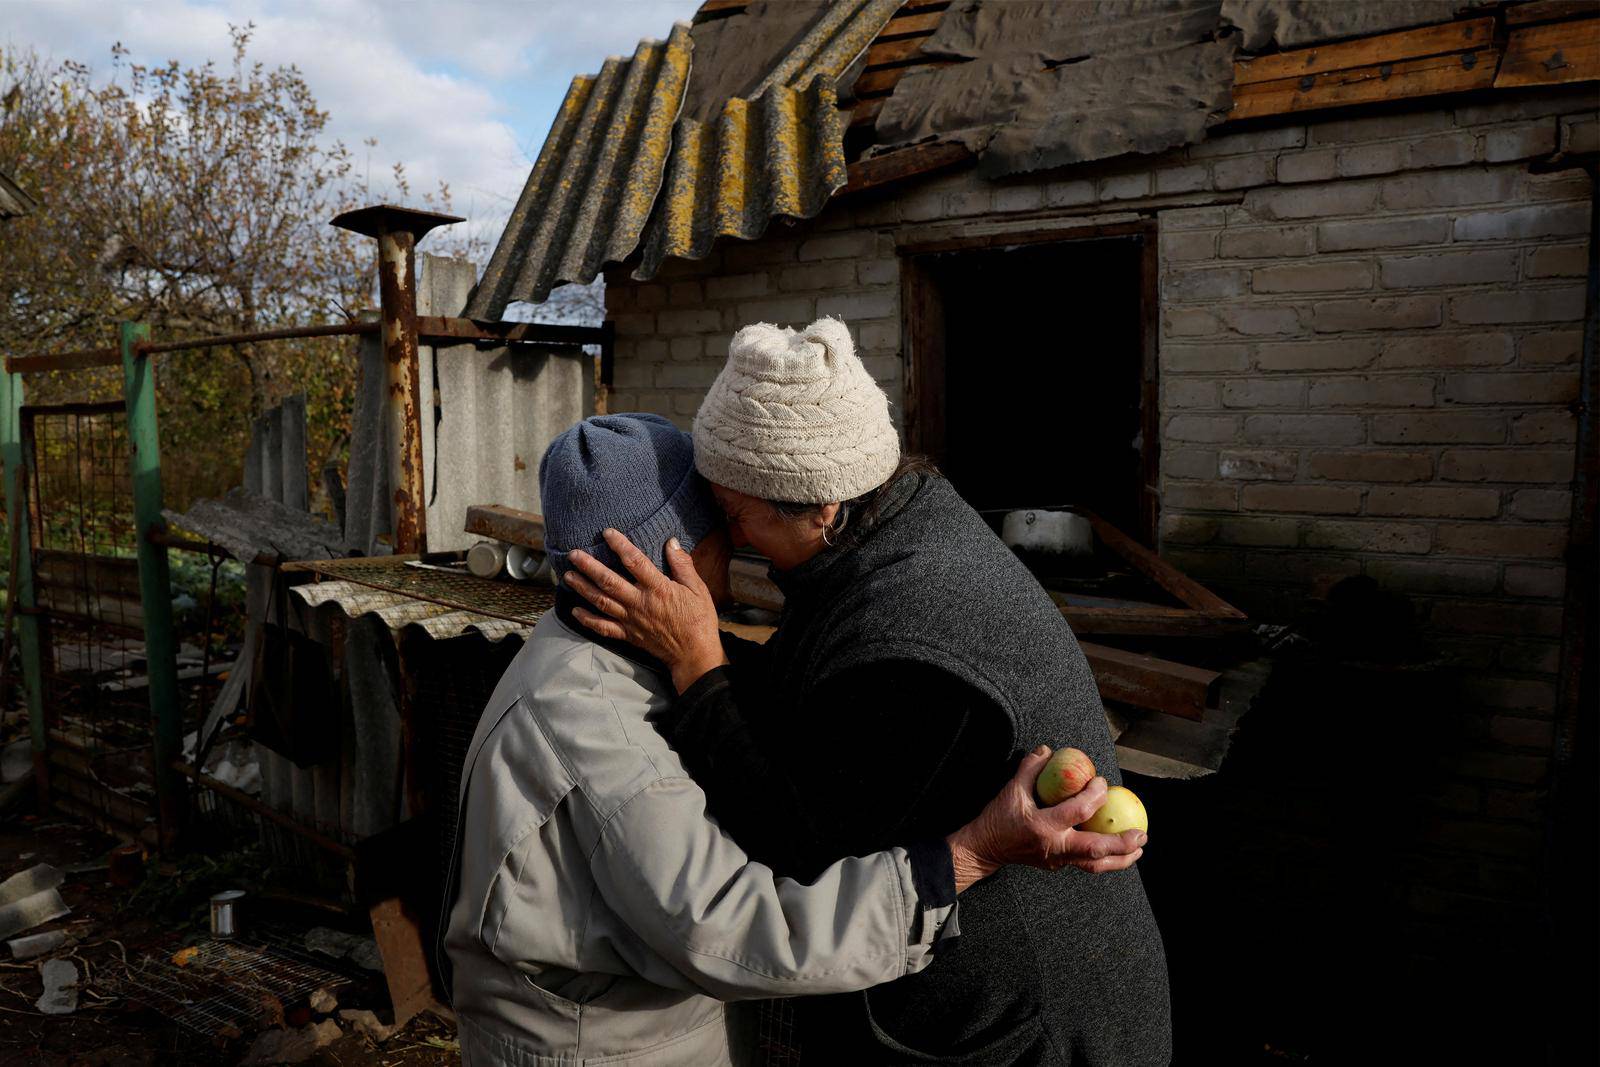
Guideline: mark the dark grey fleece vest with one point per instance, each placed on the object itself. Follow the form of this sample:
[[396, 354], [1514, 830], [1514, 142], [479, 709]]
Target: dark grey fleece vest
[[1050, 968]]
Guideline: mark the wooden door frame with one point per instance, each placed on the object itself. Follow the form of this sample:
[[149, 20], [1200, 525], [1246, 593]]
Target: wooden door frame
[[922, 324]]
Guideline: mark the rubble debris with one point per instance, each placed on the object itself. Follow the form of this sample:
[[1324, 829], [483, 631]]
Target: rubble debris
[[367, 1025], [60, 987], [362, 951], [323, 1001], [291, 1046], [26, 948], [29, 898]]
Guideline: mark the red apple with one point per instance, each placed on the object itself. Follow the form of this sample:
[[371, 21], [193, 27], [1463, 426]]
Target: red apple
[[1065, 774]]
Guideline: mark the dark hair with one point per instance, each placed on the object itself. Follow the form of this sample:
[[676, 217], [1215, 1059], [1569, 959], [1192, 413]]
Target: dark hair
[[857, 513]]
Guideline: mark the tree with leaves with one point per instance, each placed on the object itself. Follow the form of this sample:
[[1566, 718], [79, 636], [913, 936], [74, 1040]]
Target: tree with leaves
[[197, 200]]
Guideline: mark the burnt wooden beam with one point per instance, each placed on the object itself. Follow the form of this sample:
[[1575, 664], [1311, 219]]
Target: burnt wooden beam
[[1144, 681]]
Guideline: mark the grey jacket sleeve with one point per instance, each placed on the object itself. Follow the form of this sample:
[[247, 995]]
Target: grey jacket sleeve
[[736, 931]]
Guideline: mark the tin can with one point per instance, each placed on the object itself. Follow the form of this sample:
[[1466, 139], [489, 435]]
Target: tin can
[[224, 913]]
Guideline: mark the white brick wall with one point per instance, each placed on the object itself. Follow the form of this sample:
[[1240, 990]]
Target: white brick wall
[[1370, 333]]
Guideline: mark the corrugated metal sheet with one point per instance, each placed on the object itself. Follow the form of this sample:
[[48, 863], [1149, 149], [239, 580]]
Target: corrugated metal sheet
[[776, 151], [590, 192]]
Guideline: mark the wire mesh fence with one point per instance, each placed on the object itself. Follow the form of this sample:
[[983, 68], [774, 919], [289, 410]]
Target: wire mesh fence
[[95, 674]]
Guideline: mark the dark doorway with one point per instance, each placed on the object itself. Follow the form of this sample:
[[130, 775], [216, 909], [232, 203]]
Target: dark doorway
[[1033, 374]]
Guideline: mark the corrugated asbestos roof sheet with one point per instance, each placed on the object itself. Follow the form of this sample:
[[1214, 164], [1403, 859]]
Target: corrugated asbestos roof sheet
[[399, 611], [779, 151], [591, 189], [776, 151]]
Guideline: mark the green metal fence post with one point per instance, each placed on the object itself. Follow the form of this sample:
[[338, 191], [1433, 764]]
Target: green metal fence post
[[155, 581], [27, 624]]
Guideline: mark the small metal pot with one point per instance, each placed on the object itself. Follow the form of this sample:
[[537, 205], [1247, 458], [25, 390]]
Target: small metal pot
[[224, 913]]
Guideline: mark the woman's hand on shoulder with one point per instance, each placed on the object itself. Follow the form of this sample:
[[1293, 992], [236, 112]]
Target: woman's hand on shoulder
[[1012, 828], [673, 619]]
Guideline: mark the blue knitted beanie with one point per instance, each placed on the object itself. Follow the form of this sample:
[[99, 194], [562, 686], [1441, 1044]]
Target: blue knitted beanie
[[634, 473]]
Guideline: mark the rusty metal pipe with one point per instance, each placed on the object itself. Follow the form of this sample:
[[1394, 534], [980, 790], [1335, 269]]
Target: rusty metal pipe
[[288, 333], [397, 231], [449, 330], [397, 293]]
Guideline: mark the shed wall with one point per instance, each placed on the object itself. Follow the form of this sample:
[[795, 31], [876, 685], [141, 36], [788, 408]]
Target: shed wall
[[1369, 345]]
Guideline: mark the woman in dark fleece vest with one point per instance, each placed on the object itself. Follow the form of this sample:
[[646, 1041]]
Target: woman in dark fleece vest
[[908, 628]]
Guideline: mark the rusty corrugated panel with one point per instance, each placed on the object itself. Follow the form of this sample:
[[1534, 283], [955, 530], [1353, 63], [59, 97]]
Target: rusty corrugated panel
[[589, 195], [777, 152]]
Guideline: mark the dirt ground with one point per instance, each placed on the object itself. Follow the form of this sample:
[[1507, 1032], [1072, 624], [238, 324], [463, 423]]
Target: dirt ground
[[110, 927]]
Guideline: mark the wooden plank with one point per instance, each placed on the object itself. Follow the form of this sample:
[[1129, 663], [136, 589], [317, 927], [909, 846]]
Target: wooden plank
[[1180, 585], [1454, 73], [904, 163], [1548, 11], [1155, 622], [907, 50], [500, 523], [1010, 238], [1369, 51], [909, 24], [1145, 681], [882, 82], [1552, 54]]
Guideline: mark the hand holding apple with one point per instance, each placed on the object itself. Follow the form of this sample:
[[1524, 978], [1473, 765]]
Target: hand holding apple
[[1013, 828], [1065, 775]]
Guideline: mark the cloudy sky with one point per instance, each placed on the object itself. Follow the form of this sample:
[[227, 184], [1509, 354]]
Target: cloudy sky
[[459, 91]]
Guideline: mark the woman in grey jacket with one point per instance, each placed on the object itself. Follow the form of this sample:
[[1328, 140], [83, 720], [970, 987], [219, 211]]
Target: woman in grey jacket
[[594, 913]]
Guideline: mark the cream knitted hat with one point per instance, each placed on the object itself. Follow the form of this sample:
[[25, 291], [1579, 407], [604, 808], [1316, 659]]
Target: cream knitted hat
[[795, 417]]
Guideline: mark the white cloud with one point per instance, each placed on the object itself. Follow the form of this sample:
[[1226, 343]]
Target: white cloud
[[458, 92]]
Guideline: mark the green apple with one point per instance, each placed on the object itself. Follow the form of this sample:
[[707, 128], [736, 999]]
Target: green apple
[[1121, 811]]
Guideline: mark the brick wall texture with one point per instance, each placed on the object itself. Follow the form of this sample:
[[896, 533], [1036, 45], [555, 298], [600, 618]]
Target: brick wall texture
[[1369, 345]]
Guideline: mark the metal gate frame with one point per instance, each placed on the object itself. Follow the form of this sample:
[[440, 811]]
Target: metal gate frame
[[144, 458]]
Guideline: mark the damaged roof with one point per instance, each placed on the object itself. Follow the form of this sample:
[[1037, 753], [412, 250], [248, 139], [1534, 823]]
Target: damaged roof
[[759, 137], [1028, 89], [757, 130]]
